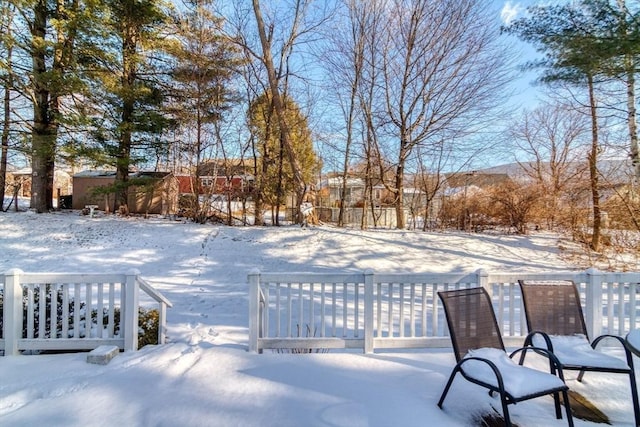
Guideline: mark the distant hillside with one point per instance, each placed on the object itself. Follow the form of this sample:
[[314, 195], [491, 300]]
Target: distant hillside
[[616, 170]]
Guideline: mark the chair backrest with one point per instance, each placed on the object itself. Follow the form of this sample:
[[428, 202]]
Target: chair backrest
[[471, 320], [553, 307]]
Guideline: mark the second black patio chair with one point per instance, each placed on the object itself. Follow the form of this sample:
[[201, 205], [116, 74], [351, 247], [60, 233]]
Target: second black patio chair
[[556, 322], [482, 359]]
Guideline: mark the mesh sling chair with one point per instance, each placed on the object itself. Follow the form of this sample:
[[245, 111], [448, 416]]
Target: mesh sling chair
[[482, 359], [555, 321]]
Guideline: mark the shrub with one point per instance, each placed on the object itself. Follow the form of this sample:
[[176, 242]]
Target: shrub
[[149, 325]]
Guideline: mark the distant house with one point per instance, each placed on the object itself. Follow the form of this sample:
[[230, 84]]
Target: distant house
[[155, 192], [235, 186], [226, 167], [19, 179], [459, 182], [330, 190], [219, 177]]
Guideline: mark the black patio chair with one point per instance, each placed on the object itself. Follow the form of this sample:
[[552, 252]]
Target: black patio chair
[[555, 322], [482, 359]]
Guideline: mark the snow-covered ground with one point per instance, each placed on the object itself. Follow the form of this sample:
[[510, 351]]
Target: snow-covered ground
[[204, 376]]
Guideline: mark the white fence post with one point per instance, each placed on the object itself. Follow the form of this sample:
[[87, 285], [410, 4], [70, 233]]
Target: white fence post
[[483, 281], [130, 307], [368, 311], [162, 323], [254, 310], [12, 315], [593, 302]]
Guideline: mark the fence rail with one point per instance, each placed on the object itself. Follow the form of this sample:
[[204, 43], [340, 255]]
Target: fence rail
[[55, 311], [368, 310]]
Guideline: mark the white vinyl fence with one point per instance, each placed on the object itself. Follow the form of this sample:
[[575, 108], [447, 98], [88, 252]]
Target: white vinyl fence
[[307, 311], [55, 311]]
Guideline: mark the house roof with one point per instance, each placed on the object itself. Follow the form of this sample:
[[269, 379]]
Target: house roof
[[217, 167], [19, 171], [337, 182], [111, 174], [475, 179], [95, 174], [27, 172]]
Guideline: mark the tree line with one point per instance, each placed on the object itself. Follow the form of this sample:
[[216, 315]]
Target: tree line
[[394, 91], [592, 47]]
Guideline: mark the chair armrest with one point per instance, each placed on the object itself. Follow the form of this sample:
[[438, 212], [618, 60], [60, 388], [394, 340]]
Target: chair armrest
[[555, 367], [621, 341], [595, 342], [493, 367], [528, 341]]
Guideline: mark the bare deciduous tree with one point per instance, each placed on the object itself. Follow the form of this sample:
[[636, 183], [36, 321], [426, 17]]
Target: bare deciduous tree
[[276, 95], [347, 58], [552, 137], [442, 67], [280, 31]]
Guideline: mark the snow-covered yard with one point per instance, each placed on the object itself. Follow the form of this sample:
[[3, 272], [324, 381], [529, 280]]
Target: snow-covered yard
[[204, 376]]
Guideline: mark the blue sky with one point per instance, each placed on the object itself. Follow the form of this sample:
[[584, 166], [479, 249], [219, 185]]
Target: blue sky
[[510, 10], [529, 92]]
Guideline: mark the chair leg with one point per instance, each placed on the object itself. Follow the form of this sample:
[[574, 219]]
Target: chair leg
[[567, 407], [447, 387], [505, 411], [556, 401], [634, 397]]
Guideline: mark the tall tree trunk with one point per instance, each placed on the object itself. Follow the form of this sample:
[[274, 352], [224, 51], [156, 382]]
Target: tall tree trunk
[[593, 167], [43, 133], [347, 150], [199, 213], [280, 199], [278, 105], [260, 174], [399, 200], [123, 158], [399, 180], [62, 57], [345, 168], [364, 222], [631, 113], [258, 204], [262, 170], [6, 106]]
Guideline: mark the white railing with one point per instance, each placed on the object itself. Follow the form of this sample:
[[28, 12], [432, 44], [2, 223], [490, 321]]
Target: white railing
[[80, 311], [307, 311]]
